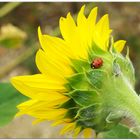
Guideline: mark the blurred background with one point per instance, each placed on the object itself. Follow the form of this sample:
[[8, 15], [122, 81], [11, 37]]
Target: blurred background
[[19, 43]]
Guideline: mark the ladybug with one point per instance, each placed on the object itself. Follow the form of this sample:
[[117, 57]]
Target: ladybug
[[97, 63]]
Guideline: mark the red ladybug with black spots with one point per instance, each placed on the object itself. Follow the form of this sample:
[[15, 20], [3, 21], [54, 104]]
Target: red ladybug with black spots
[[97, 63]]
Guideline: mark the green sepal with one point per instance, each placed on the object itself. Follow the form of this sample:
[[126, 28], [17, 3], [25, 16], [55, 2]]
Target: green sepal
[[95, 51], [114, 117], [97, 123], [116, 68], [90, 111], [79, 81], [96, 77], [111, 48], [86, 123], [130, 72], [71, 113], [68, 104], [80, 65], [68, 87], [84, 98], [126, 68]]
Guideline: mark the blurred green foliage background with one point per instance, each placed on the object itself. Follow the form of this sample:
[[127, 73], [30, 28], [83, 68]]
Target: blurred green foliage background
[[19, 42]]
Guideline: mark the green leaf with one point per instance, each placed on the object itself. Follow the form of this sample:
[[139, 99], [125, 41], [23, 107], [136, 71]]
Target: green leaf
[[9, 99], [119, 132]]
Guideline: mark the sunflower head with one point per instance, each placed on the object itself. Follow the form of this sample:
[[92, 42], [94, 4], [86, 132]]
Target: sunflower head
[[96, 87], [84, 78]]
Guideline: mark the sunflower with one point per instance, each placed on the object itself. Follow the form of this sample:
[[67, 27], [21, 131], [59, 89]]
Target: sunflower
[[79, 77]]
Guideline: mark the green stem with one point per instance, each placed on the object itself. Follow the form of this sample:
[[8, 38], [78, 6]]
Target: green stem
[[132, 107], [8, 8], [121, 97]]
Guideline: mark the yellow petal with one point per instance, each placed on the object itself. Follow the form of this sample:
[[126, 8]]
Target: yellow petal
[[76, 131], [83, 32], [102, 33], [39, 83], [103, 24], [52, 67], [67, 27], [50, 114], [54, 45], [67, 128], [91, 20], [71, 35], [81, 19], [55, 57], [87, 133], [41, 110], [36, 105], [27, 104], [58, 122], [119, 45], [52, 96], [43, 66], [36, 121], [92, 16], [62, 121], [86, 27]]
